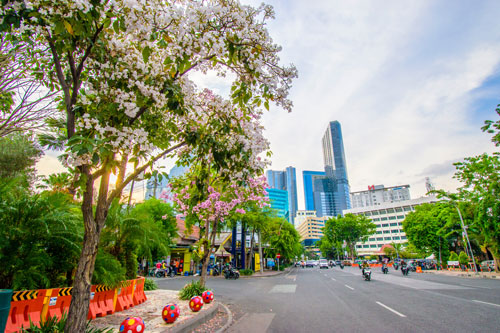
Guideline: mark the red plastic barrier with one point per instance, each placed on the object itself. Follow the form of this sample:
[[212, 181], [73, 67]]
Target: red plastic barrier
[[124, 299], [101, 301], [59, 302], [139, 296], [25, 306]]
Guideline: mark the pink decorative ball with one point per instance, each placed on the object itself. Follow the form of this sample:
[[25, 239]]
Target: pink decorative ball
[[196, 303], [208, 296], [170, 313], [132, 325]]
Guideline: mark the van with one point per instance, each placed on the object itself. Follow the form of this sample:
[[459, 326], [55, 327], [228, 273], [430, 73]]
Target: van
[[323, 263]]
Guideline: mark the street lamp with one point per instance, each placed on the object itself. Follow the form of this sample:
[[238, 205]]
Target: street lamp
[[467, 238]]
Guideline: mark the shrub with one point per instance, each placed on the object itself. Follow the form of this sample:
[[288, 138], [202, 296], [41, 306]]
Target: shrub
[[453, 256], [463, 258], [246, 272], [191, 289], [149, 284]]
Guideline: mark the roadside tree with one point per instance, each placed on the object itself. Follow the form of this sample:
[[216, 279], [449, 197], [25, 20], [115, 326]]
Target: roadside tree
[[350, 228]]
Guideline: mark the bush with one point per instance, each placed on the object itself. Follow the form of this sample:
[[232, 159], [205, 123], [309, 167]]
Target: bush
[[191, 289], [463, 258], [149, 284], [246, 272], [453, 256]]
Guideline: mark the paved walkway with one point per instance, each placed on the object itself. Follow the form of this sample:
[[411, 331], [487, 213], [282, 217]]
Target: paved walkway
[[469, 274]]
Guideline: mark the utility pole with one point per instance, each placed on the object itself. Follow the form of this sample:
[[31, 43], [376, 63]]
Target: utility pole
[[467, 238]]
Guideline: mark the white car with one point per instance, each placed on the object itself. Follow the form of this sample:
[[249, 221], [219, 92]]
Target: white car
[[323, 263]]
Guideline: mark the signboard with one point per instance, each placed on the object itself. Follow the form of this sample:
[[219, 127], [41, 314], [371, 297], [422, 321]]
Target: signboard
[[453, 263], [257, 262], [53, 301], [92, 295], [278, 256]]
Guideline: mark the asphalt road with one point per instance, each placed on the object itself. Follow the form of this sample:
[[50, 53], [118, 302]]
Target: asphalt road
[[335, 300]]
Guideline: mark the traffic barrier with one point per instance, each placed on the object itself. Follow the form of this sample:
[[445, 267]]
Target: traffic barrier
[[59, 302], [101, 301], [26, 306], [139, 296], [419, 269], [124, 296]]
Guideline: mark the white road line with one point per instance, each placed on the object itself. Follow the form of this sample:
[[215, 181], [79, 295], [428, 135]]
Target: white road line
[[475, 300], [349, 287], [334, 279], [388, 308]]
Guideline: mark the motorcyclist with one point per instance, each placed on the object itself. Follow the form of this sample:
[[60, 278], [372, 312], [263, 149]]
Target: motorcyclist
[[364, 265]]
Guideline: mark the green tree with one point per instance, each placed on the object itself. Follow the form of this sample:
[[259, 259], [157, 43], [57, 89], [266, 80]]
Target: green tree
[[453, 256], [282, 238], [463, 258], [350, 228], [18, 156]]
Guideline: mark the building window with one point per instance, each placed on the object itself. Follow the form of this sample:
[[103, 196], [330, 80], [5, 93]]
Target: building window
[[373, 246], [383, 219], [390, 210], [403, 237], [379, 232], [392, 217], [366, 246], [372, 239], [395, 231], [387, 238], [380, 238], [399, 209], [375, 212], [387, 231], [401, 217], [395, 238], [385, 225], [393, 224], [407, 208]]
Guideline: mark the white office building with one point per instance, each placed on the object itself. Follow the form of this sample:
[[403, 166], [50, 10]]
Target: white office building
[[378, 195], [302, 215], [388, 218]]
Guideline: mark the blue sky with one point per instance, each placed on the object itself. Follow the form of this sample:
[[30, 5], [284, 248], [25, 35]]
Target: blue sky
[[411, 83]]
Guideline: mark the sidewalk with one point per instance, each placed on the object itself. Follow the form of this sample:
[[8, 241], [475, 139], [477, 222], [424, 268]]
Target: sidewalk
[[469, 274], [266, 273]]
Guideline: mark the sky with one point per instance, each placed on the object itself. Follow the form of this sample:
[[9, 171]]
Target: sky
[[411, 83]]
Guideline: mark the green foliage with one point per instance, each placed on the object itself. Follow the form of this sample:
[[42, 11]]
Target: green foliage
[[246, 271], [493, 128], [194, 288], [350, 228], [150, 284], [463, 258], [40, 238], [108, 270], [282, 238], [453, 256], [18, 156]]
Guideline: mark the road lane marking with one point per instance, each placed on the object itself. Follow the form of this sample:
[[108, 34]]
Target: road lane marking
[[475, 300], [334, 279], [388, 308], [284, 288], [349, 287]]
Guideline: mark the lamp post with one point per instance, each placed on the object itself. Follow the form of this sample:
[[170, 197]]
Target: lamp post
[[467, 238]]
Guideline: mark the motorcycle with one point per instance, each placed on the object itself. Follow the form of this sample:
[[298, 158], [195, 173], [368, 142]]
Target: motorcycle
[[396, 266], [367, 274], [231, 273], [216, 271], [159, 273], [341, 265], [385, 270], [405, 270]]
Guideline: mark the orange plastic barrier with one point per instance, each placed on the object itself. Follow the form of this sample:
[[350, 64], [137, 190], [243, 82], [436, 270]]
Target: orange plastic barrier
[[419, 269], [124, 299], [101, 301], [25, 306], [139, 296], [59, 302]]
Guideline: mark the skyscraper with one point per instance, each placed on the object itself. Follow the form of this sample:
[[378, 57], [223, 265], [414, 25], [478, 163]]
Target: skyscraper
[[336, 168], [285, 180], [308, 178]]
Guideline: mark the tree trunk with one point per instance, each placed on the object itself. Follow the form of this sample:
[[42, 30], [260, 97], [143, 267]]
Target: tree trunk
[[260, 254]]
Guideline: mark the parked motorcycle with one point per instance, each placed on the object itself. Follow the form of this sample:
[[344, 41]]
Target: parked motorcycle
[[231, 273], [216, 271], [385, 270], [367, 274]]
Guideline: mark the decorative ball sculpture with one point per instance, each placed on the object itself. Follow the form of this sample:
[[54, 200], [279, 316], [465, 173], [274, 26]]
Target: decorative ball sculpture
[[196, 303], [208, 296], [170, 313], [132, 325]]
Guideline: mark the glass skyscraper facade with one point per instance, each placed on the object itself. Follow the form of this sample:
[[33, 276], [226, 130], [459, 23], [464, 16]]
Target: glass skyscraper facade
[[336, 167], [285, 180], [279, 201]]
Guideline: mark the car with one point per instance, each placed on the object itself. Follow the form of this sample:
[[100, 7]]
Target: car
[[316, 262], [337, 262], [310, 263], [323, 263]]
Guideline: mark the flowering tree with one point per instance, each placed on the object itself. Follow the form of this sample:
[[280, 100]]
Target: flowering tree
[[123, 67]]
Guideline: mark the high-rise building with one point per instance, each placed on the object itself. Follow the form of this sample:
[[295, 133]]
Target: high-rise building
[[279, 201], [378, 194], [159, 189], [311, 231], [308, 179], [302, 215], [285, 180], [336, 168]]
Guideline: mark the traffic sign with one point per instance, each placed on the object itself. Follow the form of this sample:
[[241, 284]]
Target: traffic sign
[[278, 256]]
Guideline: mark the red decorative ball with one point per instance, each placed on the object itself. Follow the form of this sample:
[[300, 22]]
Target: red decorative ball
[[196, 303], [208, 296], [170, 313], [132, 325]]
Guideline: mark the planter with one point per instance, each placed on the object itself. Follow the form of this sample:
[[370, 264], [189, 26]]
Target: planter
[[5, 298]]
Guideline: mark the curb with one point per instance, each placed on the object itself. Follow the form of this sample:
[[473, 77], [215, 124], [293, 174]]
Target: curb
[[195, 321], [265, 276], [471, 275], [229, 319]]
